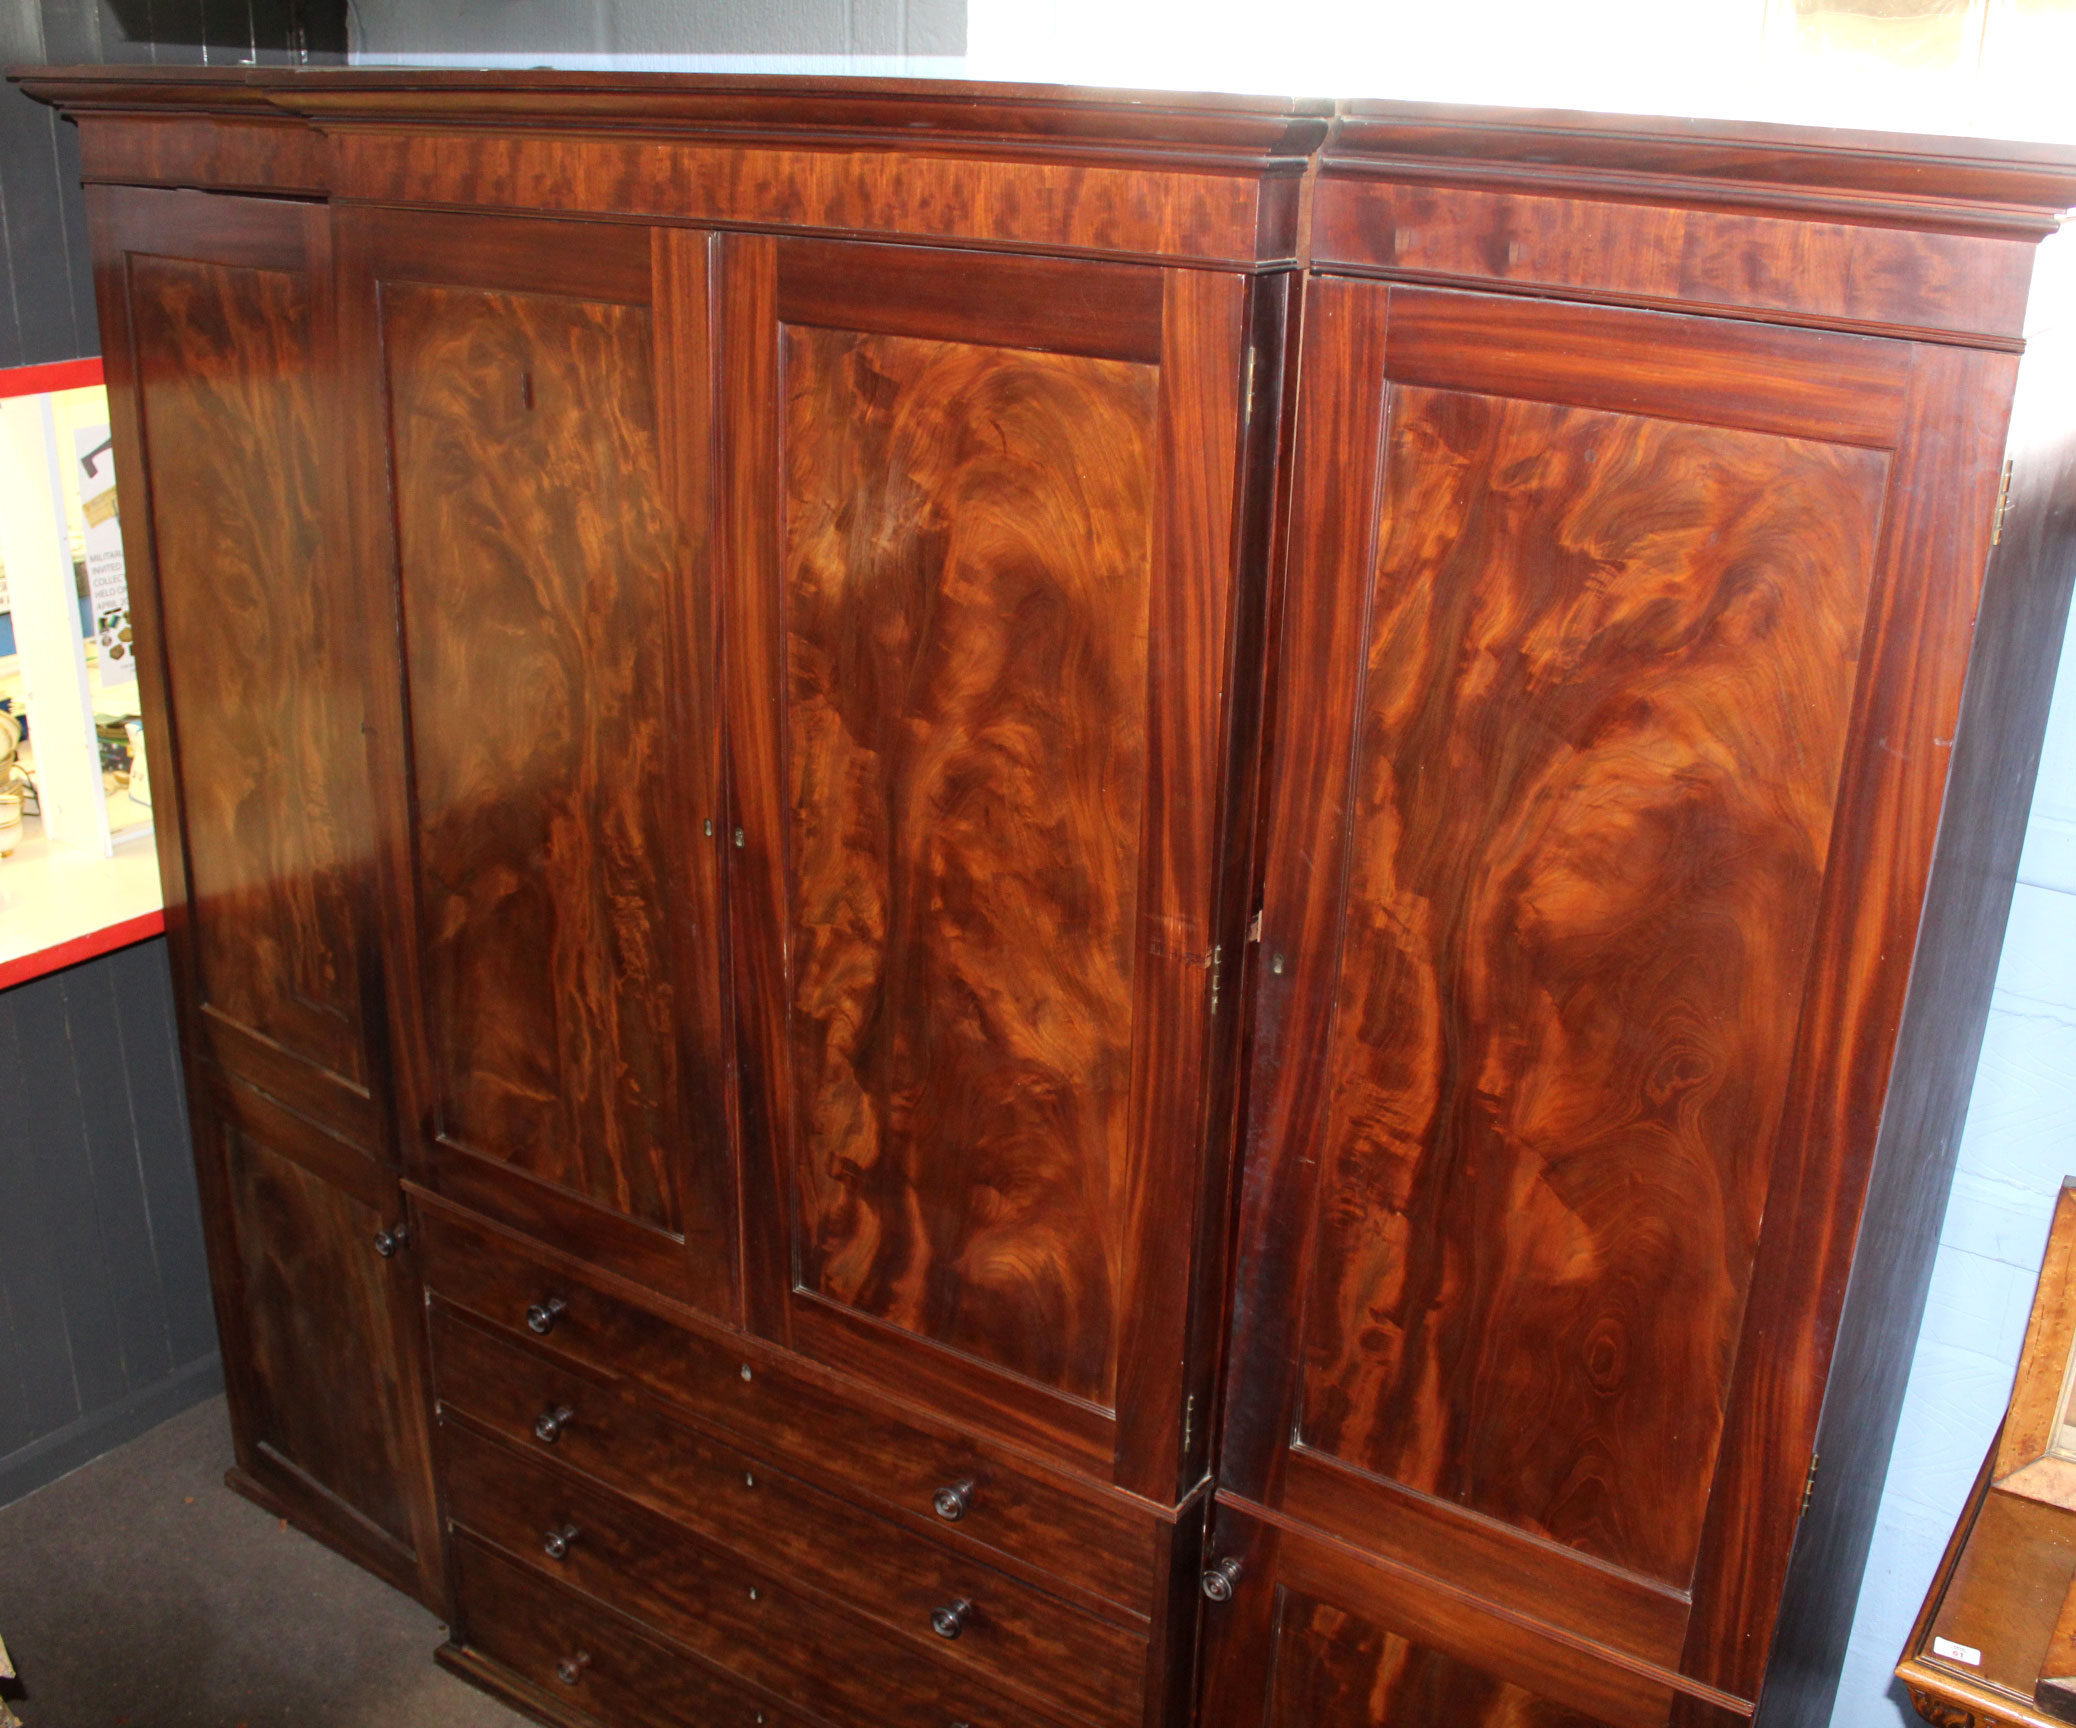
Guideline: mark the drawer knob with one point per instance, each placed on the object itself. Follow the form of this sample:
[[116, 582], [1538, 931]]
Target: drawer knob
[[549, 1424], [1219, 1578], [556, 1543], [571, 1668], [388, 1241], [950, 1622], [541, 1317], [952, 1501]]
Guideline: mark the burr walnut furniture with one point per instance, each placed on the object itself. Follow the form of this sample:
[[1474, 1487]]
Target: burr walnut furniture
[[2036, 1451], [1988, 1633], [1995, 1643], [794, 706]]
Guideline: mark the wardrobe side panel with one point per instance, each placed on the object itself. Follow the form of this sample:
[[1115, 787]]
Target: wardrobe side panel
[[221, 364]]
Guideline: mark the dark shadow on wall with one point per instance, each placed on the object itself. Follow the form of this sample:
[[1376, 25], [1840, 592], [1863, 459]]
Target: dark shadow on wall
[[46, 279], [268, 32]]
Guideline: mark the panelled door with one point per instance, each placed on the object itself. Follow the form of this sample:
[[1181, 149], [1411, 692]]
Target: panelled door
[[530, 403], [979, 529], [1618, 674], [216, 321]]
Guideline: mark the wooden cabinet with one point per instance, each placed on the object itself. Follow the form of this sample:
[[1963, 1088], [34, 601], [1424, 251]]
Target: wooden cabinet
[[548, 754], [217, 314], [1630, 644], [1158, 922], [980, 517], [1577, 900], [809, 679]]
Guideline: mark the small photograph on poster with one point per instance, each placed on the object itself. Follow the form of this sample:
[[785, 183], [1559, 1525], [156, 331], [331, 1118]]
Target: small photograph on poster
[[107, 583]]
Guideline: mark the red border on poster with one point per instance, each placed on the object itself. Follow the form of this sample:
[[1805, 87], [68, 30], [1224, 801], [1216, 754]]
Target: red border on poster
[[33, 381], [59, 955], [57, 375]]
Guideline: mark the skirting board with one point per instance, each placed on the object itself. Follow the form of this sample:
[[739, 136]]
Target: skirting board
[[84, 1439]]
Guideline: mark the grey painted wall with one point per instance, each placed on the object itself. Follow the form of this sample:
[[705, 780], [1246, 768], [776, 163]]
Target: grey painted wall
[[46, 285], [46, 289], [918, 36], [105, 1319]]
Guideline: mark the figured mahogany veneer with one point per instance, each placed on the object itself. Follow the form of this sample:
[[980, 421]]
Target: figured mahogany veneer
[[540, 915], [886, 1570], [220, 351], [940, 736], [1602, 968], [545, 806], [1853, 276], [330, 1404], [785, 1409], [1206, 178], [1847, 230], [229, 399], [251, 153], [1348, 1641], [564, 1658], [986, 587], [741, 1611], [1169, 909], [1632, 728]]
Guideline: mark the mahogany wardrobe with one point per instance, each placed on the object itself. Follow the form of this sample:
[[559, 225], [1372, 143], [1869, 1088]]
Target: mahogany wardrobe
[[1010, 907]]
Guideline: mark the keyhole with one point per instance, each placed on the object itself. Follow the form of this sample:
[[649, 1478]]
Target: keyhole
[[526, 390]]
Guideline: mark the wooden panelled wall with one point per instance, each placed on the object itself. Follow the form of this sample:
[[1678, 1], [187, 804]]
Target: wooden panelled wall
[[1115, 906]]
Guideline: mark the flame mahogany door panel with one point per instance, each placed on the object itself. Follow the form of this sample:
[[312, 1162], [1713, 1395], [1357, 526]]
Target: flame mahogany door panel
[[228, 304], [981, 515], [1320, 1636], [217, 325], [1628, 648], [332, 1402], [550, 783]]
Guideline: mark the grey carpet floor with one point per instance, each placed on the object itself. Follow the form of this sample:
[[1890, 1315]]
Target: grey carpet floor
[[140, 1592]]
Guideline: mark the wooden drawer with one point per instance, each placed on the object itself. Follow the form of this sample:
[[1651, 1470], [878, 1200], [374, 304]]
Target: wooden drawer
[[528, 1626], [885, 1571], [1089, 1540], [749, 1617]]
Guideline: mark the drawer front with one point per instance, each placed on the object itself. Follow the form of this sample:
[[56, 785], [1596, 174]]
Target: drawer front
[[800, 1417], [749, 1617], [588, 1659], [883, 1570]]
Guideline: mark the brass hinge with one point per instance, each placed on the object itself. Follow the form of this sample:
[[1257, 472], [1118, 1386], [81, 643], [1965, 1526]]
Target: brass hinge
[[1217, 969], [2003, 504], [1809, 1486], [1189, 1422]]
